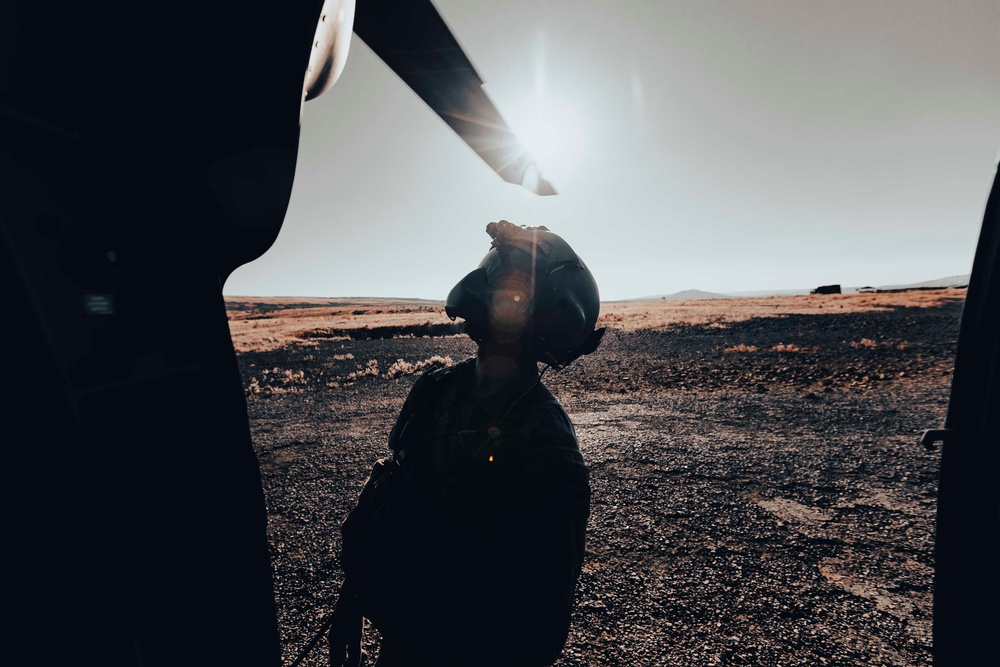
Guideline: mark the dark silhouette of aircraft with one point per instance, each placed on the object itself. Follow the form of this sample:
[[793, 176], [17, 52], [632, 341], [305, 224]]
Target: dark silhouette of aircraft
[[146, 151], [966, 586]]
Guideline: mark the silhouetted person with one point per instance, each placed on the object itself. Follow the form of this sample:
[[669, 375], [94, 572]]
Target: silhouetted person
[[466, 546]]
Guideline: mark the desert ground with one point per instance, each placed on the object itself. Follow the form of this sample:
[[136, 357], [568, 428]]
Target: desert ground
[[759, 496]]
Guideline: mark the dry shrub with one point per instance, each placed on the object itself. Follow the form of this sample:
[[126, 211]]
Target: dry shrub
[[398, 368], [292, 377], [742, 347], [275, 382], [790, 347], [864, 343], [371, 368], [342, 357], [401, 367]]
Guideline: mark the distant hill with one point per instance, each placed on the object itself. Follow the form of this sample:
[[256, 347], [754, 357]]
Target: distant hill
[[685, 295], [950, 281], [766, 293], [234, 302], [694, 294]]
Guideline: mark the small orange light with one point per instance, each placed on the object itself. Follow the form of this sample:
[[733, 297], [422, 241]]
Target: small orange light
[[491, 457]]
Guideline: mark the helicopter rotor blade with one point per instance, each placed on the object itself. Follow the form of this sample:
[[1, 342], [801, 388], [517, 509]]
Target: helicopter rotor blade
[[413, 40]]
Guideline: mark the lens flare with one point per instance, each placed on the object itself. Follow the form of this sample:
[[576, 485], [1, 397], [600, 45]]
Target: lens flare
[[553, 134], [548, 125]]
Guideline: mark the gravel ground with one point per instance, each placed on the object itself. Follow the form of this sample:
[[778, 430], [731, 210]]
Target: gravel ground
[[759, 497]]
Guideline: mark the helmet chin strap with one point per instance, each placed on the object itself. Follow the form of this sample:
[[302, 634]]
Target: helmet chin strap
[[589, 345], [550, 361]]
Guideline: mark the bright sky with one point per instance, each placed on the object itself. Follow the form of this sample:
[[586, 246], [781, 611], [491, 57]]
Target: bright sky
[[726, 146]]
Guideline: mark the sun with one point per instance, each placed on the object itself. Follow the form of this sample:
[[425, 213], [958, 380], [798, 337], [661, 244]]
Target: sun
[[553, 133]]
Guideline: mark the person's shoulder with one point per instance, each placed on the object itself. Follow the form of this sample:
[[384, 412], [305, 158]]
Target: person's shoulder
[[428, 391], [461, 368], [449, 373], [547, 420], [553, 451]]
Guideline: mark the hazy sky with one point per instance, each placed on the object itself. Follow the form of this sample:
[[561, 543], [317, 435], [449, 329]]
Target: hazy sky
[[725, 146]]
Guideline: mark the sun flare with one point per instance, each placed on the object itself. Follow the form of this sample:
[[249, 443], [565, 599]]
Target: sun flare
[[553, 133]]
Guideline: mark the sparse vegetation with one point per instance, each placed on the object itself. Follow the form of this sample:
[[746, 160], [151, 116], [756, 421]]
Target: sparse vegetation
[[789, 347], [275, 381], [721, 313], [371, 368], [262, 325], [401, 367], [397, 369], [766, 501]]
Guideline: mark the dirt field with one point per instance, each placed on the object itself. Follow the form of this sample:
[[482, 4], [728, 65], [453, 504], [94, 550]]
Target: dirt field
[[759, 497]]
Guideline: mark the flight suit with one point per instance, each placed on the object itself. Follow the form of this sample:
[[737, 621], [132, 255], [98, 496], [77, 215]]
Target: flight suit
[[481, 568]]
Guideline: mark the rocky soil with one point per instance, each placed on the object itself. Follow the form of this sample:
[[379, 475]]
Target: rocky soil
[[759, 496]]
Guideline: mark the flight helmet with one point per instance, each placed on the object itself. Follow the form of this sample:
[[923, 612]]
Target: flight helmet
[[531, 287]]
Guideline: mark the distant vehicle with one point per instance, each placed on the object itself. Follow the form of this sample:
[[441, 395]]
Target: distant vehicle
[[147, 151], [826, 289]]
